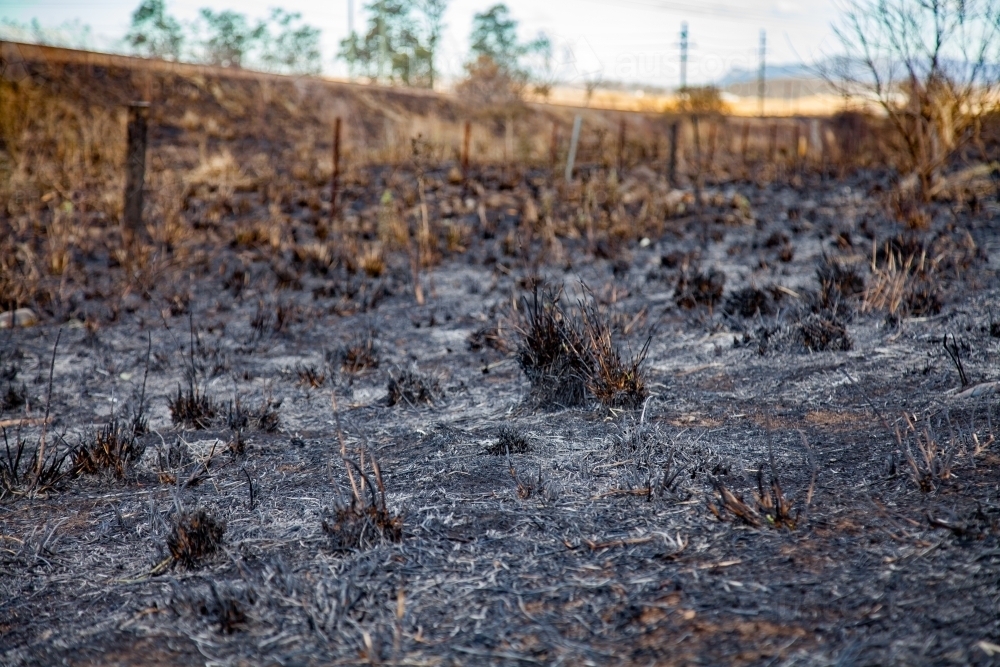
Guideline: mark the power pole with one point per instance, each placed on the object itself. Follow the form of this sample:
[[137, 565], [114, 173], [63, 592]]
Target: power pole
[[350, 35], [684, 56], [383, 47], [760, 74]]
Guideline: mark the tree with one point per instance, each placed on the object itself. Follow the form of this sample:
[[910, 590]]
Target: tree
[[499, 72], [292, 47], [230, 37], [931, 65], [154, 33], [433, 14], [400, 41], [489, 86], [494, 35]]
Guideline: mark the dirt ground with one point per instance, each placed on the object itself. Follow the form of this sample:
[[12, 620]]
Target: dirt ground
[[802, 353]]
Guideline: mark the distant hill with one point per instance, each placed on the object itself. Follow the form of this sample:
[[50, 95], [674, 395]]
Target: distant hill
[[739, 75]]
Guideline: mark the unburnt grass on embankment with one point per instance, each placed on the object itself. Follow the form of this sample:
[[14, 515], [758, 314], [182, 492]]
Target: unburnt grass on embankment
[[771, 441]]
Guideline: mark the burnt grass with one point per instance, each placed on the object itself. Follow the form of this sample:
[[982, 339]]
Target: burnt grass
[[788, 462], [757, 508]]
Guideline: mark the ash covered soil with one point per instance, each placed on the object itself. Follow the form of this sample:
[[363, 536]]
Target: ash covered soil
[[808, 482]]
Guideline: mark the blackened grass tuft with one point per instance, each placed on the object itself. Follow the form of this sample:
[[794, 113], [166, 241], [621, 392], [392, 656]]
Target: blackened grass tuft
[[509, 440], [410, 387], [195, 537], [570, 356]]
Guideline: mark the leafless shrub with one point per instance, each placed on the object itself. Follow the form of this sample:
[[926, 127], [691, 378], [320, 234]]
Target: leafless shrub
[[954, 352], [930, 66], [195, 536]]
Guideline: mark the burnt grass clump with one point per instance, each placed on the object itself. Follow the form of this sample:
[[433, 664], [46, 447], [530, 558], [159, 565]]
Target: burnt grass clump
[[550, 352], [821, 334], [194, 537], [192, 408], [361, 354], [697, 288], [569, 356], [13, 398], [409, 387], [24, 474], [262, 416], [365, 520], [509, 440], [114, 448], [752, 302]]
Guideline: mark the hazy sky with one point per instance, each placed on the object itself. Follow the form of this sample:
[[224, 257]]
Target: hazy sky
[[624, 40]]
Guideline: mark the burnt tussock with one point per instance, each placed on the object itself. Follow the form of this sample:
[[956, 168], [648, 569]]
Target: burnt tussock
[[752, 302], [509, 440], [192, 408], [194, 537], [242, 415], [412, 388], [360, 354], [821, 334], [699, 288], [570, 357], [114, 448]]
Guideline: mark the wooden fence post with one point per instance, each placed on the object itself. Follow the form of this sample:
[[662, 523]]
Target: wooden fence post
[[554, 146], [697, 161], [743, 142], [713, 136], [135, 170], [465, 150], [672, 163], [621, 146], [335, 180], [574, 143]]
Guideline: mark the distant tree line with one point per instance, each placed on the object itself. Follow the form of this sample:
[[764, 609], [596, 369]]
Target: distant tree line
[[282, 43], [398, 45]]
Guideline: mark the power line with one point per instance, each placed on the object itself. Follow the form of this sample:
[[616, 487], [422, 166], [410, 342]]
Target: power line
[[716, 11], [761, 85]]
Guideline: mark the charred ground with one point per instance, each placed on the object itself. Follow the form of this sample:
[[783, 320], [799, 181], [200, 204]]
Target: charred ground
[[287, 459]]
